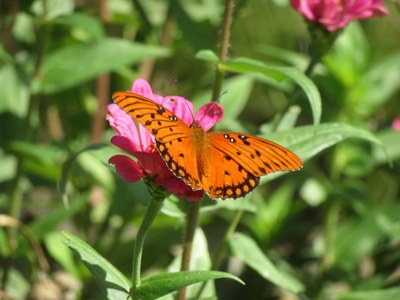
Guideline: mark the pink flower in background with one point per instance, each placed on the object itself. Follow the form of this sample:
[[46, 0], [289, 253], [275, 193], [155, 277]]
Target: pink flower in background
[[336, 14], [396, 124], [137, 140]]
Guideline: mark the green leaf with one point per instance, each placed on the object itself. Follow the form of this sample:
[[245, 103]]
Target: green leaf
[[377, 86], [5, 56], [269, 215], [53, 9], [230, 204], [84, 27], [349, 55], [384, 294], [102, 153], [60, 253], [308, 141], [192, 31], [14, 92], [40, 159], [8, 165], [248, 251], [93, 166], [244, 65], [111, 281], [160, 285], [42, 226], [73, 65], [24, 28], [207, 55], [289, 119], [391, 139], [357, 238], [289, 57]]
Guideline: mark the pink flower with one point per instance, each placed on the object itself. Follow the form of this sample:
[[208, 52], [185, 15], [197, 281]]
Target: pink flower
[[396, 124], [336, 14], [137, 140]]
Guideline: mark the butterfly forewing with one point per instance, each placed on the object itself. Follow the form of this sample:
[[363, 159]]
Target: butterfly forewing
[[258, 156], [173, 136], [225, 177], [160, 122]]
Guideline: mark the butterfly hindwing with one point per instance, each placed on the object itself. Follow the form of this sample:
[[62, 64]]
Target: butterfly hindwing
[[180, 157], [225, 177]]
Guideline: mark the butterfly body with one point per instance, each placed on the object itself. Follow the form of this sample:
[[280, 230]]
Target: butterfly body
[[223, 164]]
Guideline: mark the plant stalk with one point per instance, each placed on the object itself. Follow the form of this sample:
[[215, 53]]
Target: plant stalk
[[191, 224], [219, 251], [192, 216], [152, 210], [224, 48]]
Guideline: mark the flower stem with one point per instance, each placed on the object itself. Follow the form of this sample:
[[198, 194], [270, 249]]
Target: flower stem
[[192, 215], [219, 251], [191, 224], [331, 222], [223, 50], [154, 206]]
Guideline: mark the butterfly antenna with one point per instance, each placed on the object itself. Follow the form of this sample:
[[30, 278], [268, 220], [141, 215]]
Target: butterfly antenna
[[214, 101], [220, 96], [181, 92]]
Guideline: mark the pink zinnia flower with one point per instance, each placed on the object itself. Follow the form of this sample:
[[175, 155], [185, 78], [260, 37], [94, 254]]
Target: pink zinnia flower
[[137, 140], [336, 14], [396, 124]]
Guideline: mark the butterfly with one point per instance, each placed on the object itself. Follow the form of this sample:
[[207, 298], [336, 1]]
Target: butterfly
[[223, 164]]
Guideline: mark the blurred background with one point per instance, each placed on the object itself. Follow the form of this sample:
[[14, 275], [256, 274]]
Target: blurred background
[[335, 225]]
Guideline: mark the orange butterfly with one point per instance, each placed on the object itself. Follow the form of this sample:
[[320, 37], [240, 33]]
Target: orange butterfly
[[223, 164]]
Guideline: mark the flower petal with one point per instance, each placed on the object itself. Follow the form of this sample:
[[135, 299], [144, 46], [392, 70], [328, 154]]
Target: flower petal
[[127, 168], [177, 187], [396, 124], [180, 107], [123, 143], [209, 114], [139, 137], [333, 14], [153, 164], [142, 87]]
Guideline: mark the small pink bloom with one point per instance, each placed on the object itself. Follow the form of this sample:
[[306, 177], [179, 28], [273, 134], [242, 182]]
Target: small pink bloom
[[137, 140], [336, 14], [396, 124]]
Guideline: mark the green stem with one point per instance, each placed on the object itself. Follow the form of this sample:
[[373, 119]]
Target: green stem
[[154, 206], [330, 231], [220, 250], [223, 51], [191, 225], [217, 257]]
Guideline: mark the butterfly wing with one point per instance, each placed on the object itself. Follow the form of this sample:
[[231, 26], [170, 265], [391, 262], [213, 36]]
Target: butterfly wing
[[237, 161], [161, 123], [173, 136], [223, 164]]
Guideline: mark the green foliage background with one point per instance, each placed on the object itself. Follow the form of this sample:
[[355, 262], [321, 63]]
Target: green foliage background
[[329, 231]]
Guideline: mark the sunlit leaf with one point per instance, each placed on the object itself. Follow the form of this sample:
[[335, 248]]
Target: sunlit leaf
[[159, 285], [245, 65], [383, 294], [248, 251], [73, 65], [112, 282]]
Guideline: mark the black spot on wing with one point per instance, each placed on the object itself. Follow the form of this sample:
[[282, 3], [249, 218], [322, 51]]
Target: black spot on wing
[[235, 191]]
